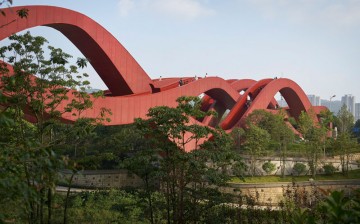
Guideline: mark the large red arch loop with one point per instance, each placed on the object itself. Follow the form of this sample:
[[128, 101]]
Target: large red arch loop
[[114, 64], [133, 92]]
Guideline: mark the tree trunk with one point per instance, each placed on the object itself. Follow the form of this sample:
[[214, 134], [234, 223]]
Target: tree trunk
[[41, 209], [168, 203], [148, 193], [67, 197], [49, 205]]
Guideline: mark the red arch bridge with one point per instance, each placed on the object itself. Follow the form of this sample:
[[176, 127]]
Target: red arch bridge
[[132, 92]]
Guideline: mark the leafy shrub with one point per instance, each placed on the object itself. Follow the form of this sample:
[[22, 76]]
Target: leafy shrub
[[339, 208], [269, 167], [329, 169], [299, 168]]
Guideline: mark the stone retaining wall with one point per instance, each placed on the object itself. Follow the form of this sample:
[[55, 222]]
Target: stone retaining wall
[[291, 161], [103, 179], [268, 193], [273, 193]]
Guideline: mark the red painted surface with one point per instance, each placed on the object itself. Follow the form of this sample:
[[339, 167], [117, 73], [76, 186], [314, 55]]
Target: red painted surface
[[133, 92], [114, 64]]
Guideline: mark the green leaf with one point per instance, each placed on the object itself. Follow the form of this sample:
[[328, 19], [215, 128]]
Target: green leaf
[[22, 13]]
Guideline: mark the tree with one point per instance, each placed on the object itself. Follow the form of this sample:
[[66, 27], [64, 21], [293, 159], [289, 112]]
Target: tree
[[326, 118], [326, 121], [144, 161], [186, 177], [344, 143], [344, 146], [280, 132], [256, 141], [345, 120], [314, 139], [33, 89], [104, 147], [237, 134]]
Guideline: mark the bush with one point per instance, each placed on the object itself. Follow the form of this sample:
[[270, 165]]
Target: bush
[[299, 168], [329, 169], [269, 167]]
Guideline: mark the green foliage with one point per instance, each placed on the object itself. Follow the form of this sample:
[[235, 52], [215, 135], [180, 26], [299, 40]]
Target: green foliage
[[312, 207], [33, 90], [344, 146], [339, 208], [314, 139], [293, 122], [256, 141], [326, 118], [329, 169], [269, 167], [102, 147], [345, 120], [302, 216], [21, 13], [281, 136], [306, 125], [106, 207], [299, 168], [188, 165], [120, 206], [273, 123], [237, 134]]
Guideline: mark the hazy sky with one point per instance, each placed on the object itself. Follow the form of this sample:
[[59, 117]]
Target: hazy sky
[[316, 43]]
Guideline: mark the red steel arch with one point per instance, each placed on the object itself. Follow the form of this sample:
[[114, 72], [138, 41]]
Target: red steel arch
[[292, 93], [133, 92], [114, 64]]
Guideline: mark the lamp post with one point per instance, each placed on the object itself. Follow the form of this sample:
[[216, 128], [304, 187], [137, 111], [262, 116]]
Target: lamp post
[[330, 101]]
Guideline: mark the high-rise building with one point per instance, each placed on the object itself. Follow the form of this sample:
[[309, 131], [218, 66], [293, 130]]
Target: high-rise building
[[314, 100], [357, 111], [282, 102], [334, 105], [349, 101]]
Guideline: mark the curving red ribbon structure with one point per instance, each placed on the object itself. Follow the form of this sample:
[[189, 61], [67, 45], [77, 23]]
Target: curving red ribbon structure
[[133, 92]]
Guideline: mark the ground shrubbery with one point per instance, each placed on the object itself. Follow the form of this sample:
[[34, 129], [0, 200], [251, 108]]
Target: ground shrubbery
[[329, 169], [269, 167], [130, 206], [299, 168]]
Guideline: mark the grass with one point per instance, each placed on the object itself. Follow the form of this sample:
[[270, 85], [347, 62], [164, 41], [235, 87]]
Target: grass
[[354, 174]]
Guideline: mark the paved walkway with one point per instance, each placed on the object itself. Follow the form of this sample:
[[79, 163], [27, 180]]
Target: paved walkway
[[300, 183]]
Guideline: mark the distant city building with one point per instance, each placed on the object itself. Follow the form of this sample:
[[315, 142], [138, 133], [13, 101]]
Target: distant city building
[[92, 90], [282, 103], [349, 101], [357, 111], [314, 100], [334, 105]]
